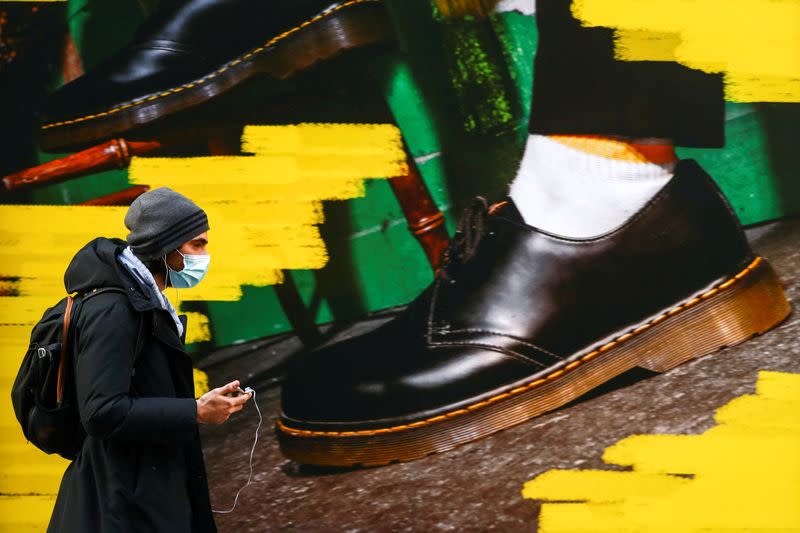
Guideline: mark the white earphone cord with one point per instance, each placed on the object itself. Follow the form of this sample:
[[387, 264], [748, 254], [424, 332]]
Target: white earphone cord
[[252, 450]]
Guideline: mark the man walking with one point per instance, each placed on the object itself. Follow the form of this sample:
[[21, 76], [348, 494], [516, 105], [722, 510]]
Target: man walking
[[141, 465]]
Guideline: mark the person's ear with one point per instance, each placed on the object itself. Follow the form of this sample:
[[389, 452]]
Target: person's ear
[[175, 260]]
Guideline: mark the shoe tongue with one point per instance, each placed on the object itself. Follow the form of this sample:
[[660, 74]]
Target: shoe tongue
[[506, 208]]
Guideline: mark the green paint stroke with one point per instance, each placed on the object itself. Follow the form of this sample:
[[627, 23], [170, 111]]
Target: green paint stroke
[[486, 94]]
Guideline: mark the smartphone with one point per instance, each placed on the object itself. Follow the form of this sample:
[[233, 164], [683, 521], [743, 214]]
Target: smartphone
[[239, 392]]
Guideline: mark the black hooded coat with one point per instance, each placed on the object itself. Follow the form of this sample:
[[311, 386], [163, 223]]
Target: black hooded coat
[[141, 465]]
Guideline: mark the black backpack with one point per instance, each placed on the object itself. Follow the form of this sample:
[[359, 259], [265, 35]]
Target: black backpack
[[43, 393]]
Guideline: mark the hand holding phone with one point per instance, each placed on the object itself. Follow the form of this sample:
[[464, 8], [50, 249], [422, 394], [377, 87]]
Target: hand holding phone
[[217, 405], [239, 391]]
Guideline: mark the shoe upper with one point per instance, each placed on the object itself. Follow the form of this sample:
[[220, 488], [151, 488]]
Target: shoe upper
[[512, 301], [181, 42]]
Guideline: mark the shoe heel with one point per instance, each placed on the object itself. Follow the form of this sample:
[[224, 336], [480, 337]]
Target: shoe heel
[[356, 24], [746, 305]]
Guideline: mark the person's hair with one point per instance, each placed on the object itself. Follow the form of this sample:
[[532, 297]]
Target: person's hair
[[155, 266]]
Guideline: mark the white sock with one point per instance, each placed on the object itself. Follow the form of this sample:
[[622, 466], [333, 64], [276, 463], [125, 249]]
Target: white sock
[[577, 193]]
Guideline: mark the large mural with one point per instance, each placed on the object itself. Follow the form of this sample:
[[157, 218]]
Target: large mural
[[334, 177]]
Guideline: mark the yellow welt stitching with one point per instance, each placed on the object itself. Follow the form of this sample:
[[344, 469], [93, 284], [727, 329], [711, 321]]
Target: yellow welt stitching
[[607, 346], [693, 301], [589, 355], [527, 386], [215, 74], [712, 292], [659, 318]]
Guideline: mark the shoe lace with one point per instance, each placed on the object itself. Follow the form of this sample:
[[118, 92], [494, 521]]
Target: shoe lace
[[464, 244]]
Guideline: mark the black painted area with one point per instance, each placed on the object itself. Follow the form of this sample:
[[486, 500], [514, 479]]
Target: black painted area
[[477, 486]]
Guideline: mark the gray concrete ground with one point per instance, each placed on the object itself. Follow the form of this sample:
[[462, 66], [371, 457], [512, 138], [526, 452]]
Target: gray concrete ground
[[477, 486]]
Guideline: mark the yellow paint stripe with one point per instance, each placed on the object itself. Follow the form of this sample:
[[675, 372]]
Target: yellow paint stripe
[[25, 514], [198, 329], [755, 44], [200, 382], [742, 475]]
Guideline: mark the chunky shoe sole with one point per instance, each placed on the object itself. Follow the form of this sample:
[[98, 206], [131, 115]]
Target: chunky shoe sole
[[727, 313], [352, 24]]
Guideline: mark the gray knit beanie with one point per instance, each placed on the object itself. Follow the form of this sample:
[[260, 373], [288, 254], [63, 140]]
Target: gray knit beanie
[[161, 220]]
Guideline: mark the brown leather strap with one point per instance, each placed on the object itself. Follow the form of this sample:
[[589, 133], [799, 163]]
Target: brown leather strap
[[62, 363]]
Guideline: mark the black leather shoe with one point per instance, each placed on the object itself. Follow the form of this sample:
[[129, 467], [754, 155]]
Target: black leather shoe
[[191, 51], [520, 322]]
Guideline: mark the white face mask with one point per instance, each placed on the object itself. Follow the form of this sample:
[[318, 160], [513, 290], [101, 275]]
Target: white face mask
[[194, 269]]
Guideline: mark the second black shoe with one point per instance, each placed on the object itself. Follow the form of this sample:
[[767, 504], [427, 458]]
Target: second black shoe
[[190, 51], [519, 322]]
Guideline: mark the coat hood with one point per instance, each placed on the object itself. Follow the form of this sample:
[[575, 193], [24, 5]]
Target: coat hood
[[95, 265]]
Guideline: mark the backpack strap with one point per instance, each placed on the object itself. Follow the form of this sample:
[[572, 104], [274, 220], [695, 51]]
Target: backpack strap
[[100, 290], [62, 363], [65, 336]]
